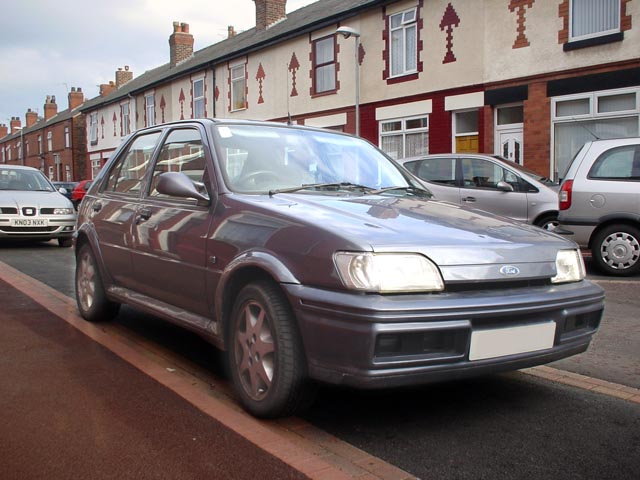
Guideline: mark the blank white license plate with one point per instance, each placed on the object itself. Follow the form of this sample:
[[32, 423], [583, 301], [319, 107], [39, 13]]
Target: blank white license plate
[[500, 342], [29, 222]]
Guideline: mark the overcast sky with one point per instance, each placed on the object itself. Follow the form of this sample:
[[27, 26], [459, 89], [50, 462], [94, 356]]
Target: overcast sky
[[47, 46]]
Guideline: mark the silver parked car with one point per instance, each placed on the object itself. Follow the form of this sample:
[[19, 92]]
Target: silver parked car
[[489, 183], [32, 208], [600, 203], [308, 256]]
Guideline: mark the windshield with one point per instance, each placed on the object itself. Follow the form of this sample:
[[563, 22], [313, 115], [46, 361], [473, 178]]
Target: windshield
[[263, 159], [21, 179]]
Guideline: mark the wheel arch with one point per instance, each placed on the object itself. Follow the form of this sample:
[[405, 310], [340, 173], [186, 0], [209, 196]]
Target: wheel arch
[[609, 221], [249, 268]]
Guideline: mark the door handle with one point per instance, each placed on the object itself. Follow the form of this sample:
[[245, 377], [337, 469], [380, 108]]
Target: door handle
[[469, 199], [143, 215], [97, 206]]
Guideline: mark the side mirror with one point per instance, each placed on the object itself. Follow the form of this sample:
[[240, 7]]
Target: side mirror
[[504, 186], [63, 190], [177, 184]]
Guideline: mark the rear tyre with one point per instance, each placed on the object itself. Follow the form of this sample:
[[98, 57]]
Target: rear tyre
[[548, 222], [92, 301], [616, 250], [265, 354]]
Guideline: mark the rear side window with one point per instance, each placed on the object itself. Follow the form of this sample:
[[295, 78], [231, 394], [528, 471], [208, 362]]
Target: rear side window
[[621, 163], [437, 170], [127, 173]]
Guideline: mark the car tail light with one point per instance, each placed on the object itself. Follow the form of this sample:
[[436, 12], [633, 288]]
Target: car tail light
[[565, 194]]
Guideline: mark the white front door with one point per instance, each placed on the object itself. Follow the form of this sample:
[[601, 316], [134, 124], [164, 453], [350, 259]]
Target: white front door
[[510, 145]]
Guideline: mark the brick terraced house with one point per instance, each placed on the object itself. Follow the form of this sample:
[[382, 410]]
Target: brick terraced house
[[531, 80]]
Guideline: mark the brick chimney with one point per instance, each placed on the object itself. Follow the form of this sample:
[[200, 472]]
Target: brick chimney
[[123, 76], [269, 12], [76, 98], [15, 124], [231, 31], [180, 44], [4, 130], [50, 107], [107, 88], [31, 118]]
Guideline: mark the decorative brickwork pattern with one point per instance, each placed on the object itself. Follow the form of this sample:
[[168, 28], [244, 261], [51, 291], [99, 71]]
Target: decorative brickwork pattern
[[294, 66], [449, 20], [163, 105], [521, 6], [260, 76], [182, 98]]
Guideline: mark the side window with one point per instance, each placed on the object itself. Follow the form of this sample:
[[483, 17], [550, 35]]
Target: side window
[[128, 171], [478, 173], [615, 164], [182, 152], [437, 170]]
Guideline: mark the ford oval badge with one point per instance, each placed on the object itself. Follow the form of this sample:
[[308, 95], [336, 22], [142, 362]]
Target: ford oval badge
[[509, 270]]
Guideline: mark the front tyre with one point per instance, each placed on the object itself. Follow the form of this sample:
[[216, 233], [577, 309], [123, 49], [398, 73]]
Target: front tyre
[[265, 353], [92, 301], [616, 250]]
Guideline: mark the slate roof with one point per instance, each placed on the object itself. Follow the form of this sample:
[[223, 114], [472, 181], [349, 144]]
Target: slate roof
[[310, 18], [42, 123]]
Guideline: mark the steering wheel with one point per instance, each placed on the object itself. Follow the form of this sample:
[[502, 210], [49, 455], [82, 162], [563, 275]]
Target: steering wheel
[[252, 177]]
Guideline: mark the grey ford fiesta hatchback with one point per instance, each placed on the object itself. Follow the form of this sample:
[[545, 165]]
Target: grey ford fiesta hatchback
[[307, 255]]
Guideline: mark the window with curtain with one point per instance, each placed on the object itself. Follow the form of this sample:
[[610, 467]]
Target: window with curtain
[[67, 139], [324, 65], [198, 98], [592, 18], [581, 118], [403, 138], [403, 35], [150, 109], [49, 141], [93, 131], [124, 117], [238, 88]]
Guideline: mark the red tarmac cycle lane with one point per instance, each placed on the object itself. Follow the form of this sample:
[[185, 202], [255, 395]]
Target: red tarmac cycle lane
[[70, 408]]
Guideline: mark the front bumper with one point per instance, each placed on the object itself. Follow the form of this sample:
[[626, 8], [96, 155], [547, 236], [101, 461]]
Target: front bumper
[[372, 341], [58, 226]]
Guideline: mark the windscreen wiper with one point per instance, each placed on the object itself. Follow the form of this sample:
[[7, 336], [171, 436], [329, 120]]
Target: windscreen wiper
[[320, 186], [410, 189]]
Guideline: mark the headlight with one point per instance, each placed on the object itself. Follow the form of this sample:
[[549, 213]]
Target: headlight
[[569, 267], [388, 272], [63, 211]]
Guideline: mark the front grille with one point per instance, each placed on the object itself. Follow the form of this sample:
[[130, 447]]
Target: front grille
[[9, 210], [46, 211], [28, 229], [499, 285]]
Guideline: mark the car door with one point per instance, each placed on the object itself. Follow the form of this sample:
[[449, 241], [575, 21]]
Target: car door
[[170, 233], [114, 206], [439, 174], [479, 188]]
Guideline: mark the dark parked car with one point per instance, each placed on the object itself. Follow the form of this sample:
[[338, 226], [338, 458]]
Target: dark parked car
[[68, 188], [307, 255], [79, 191]]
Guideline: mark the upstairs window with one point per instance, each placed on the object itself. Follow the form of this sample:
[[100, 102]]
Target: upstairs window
[[238, 87], [594, 18], [39, 144], [198, 98], [49, 141], [124, 117], [67, 139], [93, 129], [324, 65], [403, 31], [150, 109]]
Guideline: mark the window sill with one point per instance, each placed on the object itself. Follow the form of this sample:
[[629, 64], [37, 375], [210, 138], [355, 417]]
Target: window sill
[[324, 94], [402, 78], [592, 42]]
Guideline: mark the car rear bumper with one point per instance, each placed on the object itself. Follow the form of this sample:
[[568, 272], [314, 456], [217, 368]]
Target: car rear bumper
[[581, 234], [375, 341]]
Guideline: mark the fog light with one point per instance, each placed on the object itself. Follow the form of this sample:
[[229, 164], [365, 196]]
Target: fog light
[[388, 345]]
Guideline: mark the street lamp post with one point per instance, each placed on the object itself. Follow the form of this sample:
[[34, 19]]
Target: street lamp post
[[347, 32]]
